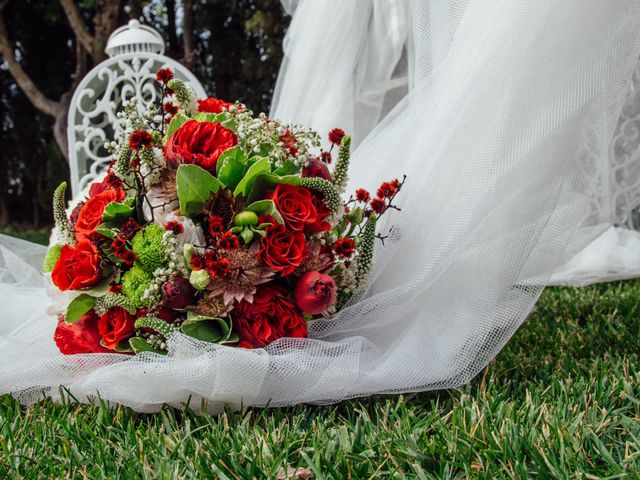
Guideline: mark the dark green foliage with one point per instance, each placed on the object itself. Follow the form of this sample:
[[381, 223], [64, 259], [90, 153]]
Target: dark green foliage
[[562, 400]]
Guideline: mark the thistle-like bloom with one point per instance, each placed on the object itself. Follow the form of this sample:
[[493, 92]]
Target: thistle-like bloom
[[244, 274]]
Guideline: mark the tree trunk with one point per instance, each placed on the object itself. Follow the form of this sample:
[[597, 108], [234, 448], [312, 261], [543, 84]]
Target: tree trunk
[[171, 27], [105, 22], [187, 34], [135, 9]]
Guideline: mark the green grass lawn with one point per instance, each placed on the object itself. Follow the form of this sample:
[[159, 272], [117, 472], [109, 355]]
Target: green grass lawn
[[562, 400]]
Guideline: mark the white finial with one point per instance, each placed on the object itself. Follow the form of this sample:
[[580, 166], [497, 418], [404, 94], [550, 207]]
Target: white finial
[[133, 38]]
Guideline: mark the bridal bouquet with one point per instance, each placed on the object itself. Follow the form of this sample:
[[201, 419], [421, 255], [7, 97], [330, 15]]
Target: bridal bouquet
[[213, 222]]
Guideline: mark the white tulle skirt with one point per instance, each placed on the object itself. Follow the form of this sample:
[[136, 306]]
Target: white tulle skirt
[[501, 137]]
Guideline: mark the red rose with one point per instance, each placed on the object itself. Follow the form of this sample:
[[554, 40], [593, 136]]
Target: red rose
[[115, 326], [316, 168], [213, 105], [90, 215], [80, 337], [295, 204], [315, 292], [269, 317], [282, 250], [78, 267], [200, 143]]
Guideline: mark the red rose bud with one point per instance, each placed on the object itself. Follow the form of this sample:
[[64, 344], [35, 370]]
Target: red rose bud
[[316, 168], [315, 293], [178, 293]]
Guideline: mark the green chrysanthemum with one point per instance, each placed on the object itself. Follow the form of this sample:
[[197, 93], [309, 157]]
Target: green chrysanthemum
[[53, 254], [134, 283], [147, 245]]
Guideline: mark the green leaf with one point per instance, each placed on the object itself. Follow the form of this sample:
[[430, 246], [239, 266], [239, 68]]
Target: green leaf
[[195, 187], [123, 347], [101, 288], [210, 117], [268, 181], [140, 345], [287, 168], [231, 167], [107, 230], [118, 213], [207, 329], [176, 122], [266, 207], [261, 166], [247, 236], [78, 307], [234, 152]]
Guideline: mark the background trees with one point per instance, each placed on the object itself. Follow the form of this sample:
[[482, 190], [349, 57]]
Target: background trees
[[232, 46]]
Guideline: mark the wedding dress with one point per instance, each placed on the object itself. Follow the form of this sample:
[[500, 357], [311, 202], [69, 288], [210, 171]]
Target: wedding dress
[[508, 109]]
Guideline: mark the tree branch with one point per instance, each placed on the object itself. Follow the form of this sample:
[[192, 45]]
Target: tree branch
[[33, 93], [76, 22], [187, 33]]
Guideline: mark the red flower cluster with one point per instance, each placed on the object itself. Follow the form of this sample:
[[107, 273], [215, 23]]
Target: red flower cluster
[[228, 241], [164, 75], [216, 225], [175, 227], [120, 250], [140, 139], [290, 143], [170, 109], [384, 196], [362, 195], [344, 247], [336, 135]]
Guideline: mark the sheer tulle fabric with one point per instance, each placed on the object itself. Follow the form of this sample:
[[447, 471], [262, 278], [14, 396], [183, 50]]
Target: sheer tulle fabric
[[384, 36], [512, 110]]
